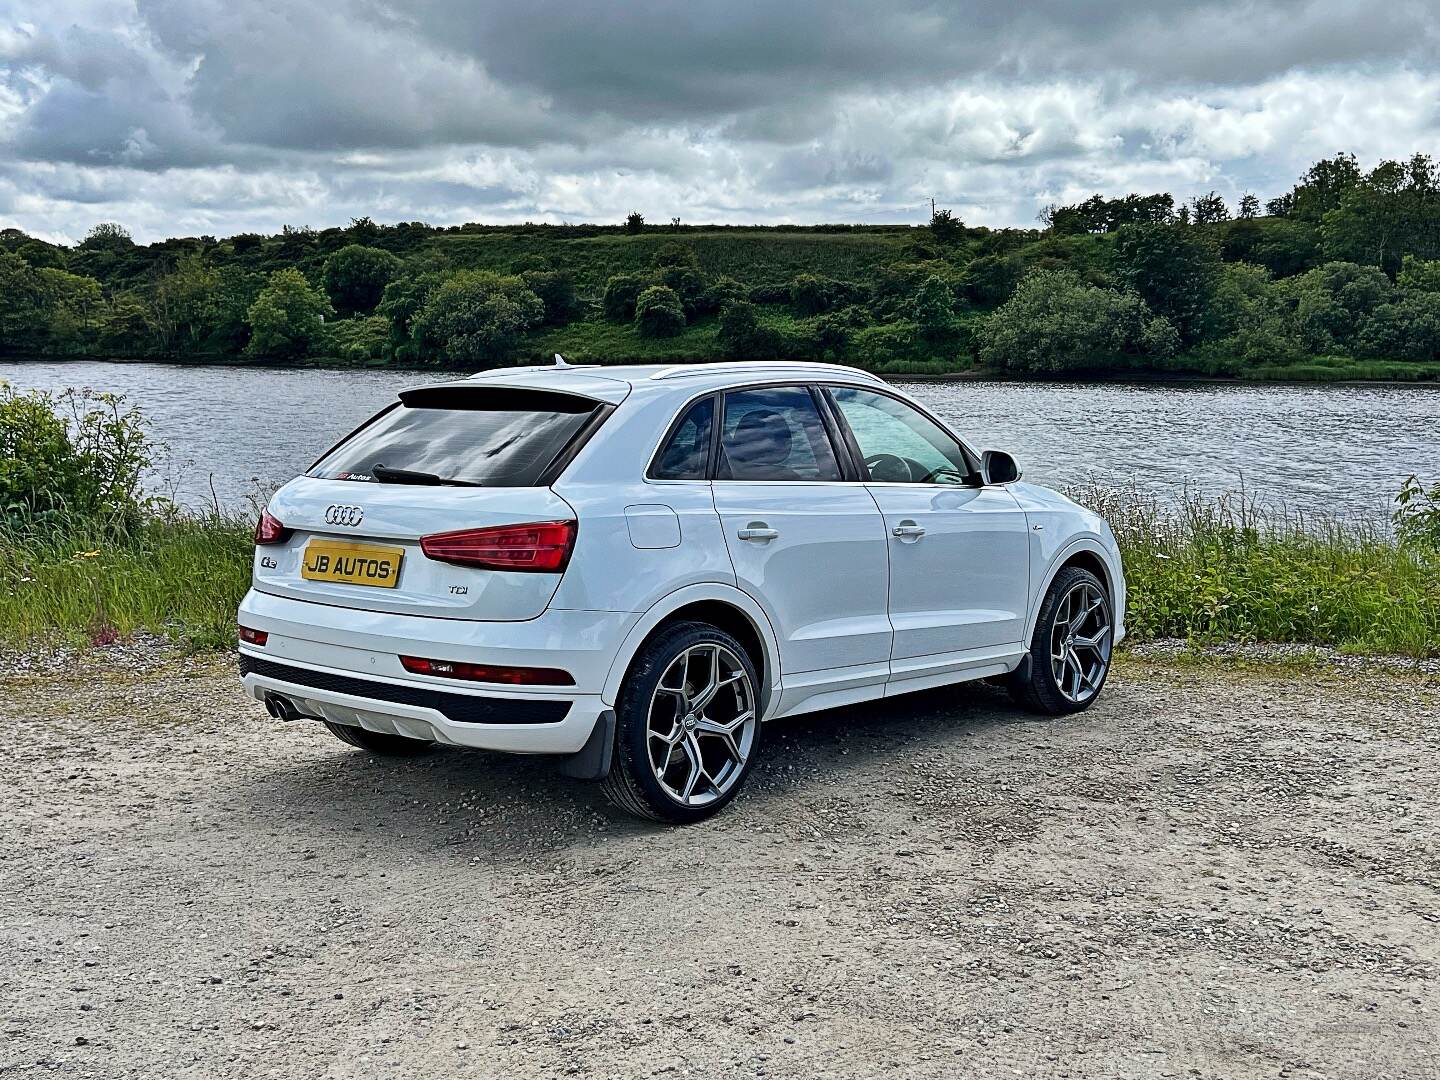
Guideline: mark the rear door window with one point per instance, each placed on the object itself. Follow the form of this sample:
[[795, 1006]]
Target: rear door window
[[491, 436], [775, 433]]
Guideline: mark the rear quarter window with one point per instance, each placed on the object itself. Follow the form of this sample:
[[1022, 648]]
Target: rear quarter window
[[494, 436]]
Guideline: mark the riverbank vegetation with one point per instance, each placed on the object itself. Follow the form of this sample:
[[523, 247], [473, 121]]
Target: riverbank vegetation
[[86, 557], [1337, 278]]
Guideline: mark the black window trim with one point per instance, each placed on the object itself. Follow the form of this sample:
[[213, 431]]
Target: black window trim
[[972, 460]]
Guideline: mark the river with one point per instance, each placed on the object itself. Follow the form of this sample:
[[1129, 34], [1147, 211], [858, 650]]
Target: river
[[1340, 450]]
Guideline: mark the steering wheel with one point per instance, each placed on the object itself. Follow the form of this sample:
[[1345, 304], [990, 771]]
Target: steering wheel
[[889, 469]]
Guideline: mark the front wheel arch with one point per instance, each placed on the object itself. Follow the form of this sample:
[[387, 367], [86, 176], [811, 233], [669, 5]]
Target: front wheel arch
[[1088, 555]]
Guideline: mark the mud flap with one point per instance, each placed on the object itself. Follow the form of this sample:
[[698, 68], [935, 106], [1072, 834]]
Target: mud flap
[[592, 761]]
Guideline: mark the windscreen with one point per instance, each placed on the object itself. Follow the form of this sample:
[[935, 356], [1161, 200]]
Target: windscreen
[[497, 437]]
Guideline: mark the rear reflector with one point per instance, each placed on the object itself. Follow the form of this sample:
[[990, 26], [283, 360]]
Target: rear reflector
[[254, 637], [541, 547], [492, 673], [268, 530]]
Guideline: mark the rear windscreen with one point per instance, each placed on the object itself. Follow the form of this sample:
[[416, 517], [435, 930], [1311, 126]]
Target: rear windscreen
[[495, 437]]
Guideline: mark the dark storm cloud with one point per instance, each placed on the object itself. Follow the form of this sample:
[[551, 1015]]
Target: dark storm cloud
[[214, 115]]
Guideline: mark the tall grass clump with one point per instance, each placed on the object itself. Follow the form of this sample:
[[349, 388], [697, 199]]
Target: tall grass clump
[[1229, 569], [85, 555]]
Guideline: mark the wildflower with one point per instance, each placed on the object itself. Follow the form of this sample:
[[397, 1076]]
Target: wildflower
[[86, 554]]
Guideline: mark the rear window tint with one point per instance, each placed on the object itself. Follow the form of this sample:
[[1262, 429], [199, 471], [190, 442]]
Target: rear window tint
[[687, 454], [495, 437]]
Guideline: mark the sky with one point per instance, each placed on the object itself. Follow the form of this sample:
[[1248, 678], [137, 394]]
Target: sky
[[192, 117]]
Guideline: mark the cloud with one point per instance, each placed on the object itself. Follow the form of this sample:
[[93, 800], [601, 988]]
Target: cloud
[[187, 116]]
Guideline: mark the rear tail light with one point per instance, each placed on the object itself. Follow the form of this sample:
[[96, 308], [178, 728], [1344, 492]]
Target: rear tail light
[[268, 530], [492, 673], [254, 637], [541, 547]]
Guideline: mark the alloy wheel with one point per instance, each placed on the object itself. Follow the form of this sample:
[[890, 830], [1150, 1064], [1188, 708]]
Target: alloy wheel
[[701, 724], [1080, 642]]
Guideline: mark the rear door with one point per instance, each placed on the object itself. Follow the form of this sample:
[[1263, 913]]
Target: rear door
[[958, 551], [806, 544], [457, 459]]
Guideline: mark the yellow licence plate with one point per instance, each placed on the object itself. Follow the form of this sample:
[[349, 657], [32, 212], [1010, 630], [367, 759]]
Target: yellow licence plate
[[354, 564]]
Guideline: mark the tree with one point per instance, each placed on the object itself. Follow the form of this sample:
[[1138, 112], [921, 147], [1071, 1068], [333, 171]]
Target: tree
[[634, 222], [1209, 209], [287, 319], [1174, 270], [185, 304], [946, 228], [1392, 212], [1056, 322], [1418, 275], [23, 303], [476, 315], [1098, 214], [1323, 186], [355, 277], [1249, 206], [108, 236], [659, 312], [933, 309], [1408, 329]]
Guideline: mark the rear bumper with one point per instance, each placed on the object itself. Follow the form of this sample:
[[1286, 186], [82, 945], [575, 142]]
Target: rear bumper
[[342, 665]]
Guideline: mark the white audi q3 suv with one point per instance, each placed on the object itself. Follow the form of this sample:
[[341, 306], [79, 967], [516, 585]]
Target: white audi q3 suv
[[634, 568]]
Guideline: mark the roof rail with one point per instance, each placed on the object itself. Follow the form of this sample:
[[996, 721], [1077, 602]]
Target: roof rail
[[688, 371]]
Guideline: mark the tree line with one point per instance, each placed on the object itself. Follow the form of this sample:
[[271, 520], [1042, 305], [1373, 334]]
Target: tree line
[[1341, 274]]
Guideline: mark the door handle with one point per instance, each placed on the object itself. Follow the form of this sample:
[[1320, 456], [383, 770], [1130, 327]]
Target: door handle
[[906, 529], [757, 530]]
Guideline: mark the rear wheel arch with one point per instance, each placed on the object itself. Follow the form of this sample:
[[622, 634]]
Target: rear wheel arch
[[728, 609]]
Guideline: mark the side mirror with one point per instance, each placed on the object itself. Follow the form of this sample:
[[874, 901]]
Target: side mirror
[[998, 467]]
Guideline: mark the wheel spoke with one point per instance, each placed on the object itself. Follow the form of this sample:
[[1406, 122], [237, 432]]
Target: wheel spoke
[[677, 728]]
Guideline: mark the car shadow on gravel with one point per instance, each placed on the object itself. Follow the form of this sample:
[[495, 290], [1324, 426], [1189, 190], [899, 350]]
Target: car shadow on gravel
[[502, 803]]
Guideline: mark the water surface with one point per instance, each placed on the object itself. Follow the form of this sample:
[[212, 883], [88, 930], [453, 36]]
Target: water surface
[[1331, 449]]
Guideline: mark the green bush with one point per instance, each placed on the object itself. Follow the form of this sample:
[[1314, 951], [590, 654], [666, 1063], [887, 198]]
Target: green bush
[[1056, 322], [815, 294], [476, 316], [360, 341], [621, 292], [556, 290], [743, 336], [659, 312], [77, 453], [1417, 514]]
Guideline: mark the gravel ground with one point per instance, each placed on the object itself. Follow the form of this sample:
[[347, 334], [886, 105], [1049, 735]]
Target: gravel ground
[[1223, 870]]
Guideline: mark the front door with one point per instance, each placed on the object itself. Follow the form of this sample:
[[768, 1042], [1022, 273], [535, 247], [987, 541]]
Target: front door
[[959, 556], [809, 547]]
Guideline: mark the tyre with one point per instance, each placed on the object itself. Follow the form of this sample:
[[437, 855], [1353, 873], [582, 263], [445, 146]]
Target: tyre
[[687, 725], [379, 742], [1070, 649]]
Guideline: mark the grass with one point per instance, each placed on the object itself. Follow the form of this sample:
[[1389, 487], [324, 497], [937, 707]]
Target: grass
[[77, 582], [748, 256], [1230, 570], [1207, 571]]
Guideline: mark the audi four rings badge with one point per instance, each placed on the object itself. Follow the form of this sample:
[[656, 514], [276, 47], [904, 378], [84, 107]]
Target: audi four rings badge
[[344, 515]]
